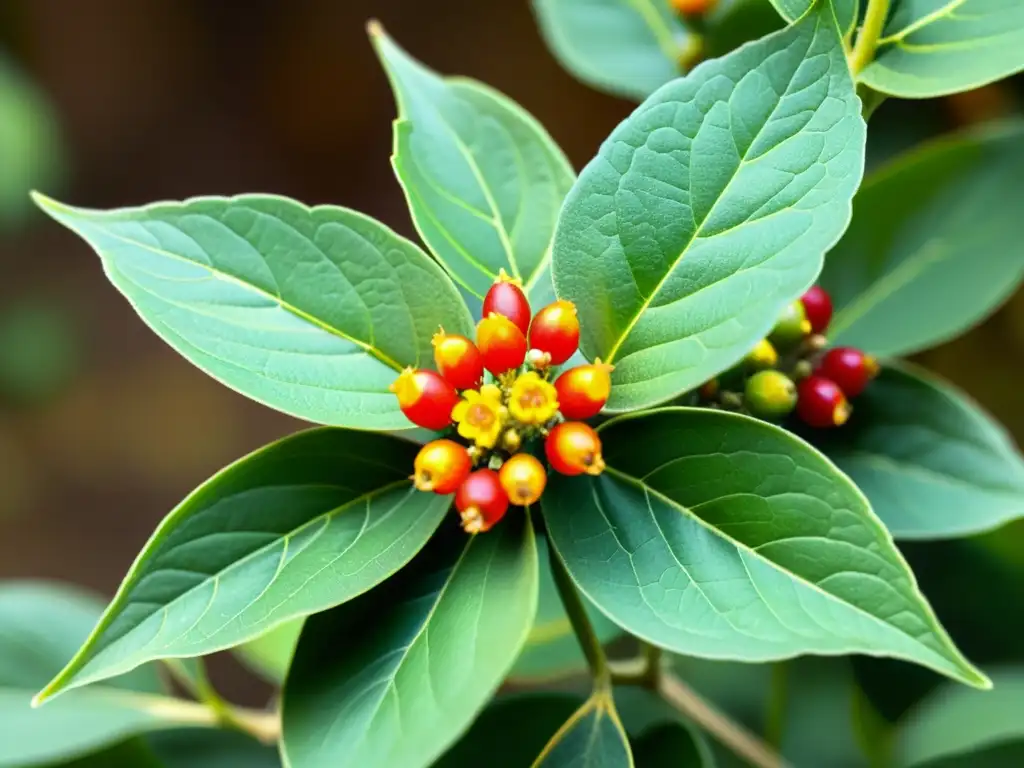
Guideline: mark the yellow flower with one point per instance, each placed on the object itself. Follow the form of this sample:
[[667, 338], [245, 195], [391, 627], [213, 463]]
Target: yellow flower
[[532, 400], [480, 415]]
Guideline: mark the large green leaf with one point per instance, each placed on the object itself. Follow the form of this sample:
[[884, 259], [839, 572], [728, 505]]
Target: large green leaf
[[297, 527], [593, 737], [551, 649], [934, 47], [512, 731], [845, 10], [710, 208], [625, 47], [932, 463], [394, 678], [41, 625], [934, 246], [309, 310], [271, 653], [714, 534], [483, 179], [959, 723], [184, 748]]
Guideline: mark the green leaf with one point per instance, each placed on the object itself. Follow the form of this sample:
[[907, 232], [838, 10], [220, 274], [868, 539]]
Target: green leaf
[[297, 527], [271, 653], [593, 737], [846, 11], [512, 731], [483, 179], [717, 535], [734, 22], [211, 749], [957, 722], [935, 47], [934, 245], [709, 209], [659, 735], [552, 650], [627, 48], [308, 310], [394, 678], [41, 625], [669, 746], [932, 463]]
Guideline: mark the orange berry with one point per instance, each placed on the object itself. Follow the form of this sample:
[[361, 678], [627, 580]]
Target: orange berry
[[425, 398], [583, 390], [441, 466], [501, 343], [693, 7], [556, 330], [573, 448], [481, 501], [458, 360], [523, 478], [506, 298]]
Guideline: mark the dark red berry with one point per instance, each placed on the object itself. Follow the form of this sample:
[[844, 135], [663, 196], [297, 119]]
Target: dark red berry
[[821, 403], [818, 308], [848, 367]]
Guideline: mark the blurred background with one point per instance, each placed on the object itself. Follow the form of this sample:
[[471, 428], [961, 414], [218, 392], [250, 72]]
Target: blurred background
[[103, 428]]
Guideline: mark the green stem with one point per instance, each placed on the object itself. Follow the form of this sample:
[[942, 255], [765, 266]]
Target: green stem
[[264, 726], [581, 624], [867, 40], [778, 701]]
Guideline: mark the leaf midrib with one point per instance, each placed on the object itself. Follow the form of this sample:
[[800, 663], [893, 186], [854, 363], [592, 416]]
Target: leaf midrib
[[958, 664], [645, 305], [924, 21], [375, 352]]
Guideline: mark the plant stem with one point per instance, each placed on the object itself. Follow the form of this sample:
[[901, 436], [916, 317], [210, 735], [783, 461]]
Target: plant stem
[[867, 40], [729, 733], [778, 700], [581, 623], [264, 726]]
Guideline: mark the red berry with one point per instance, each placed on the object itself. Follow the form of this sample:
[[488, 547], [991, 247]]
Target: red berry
[[818, 308], [458, 360], [583, 390], [481, 501], [441, 466], [693, 7], [556, 331], [573, 448], [821, 403], [848, 367], [506, 298], [501, 343], [425, 398]]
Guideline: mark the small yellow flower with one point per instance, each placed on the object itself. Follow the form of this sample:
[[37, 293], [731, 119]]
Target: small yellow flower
[[532, 400], [480, 415]]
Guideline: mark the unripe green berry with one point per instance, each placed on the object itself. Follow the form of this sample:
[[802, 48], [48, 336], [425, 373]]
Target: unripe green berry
[[791, 328], [770, 395], [762, 357]]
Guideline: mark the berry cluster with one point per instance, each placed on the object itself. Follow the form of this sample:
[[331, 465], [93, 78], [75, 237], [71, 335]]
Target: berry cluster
[[791, 370], [503, 398]]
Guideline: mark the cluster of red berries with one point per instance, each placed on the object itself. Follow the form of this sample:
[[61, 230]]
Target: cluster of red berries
[[500, 394], [791, 370]]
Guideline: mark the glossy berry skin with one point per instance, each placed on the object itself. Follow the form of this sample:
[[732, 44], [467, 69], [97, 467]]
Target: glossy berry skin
[[523, 479], [583, 390], [848, 367], [818, 308], [458, 360], [791, 328], [762, 356], [501, 343], [556, 330], [573, 448], [441, 466], [481, 501], [770, 395], [506, 298], [425, 398], [821, 403]]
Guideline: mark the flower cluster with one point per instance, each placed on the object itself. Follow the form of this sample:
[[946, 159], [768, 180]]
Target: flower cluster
[[500, 400], [792, 370]]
